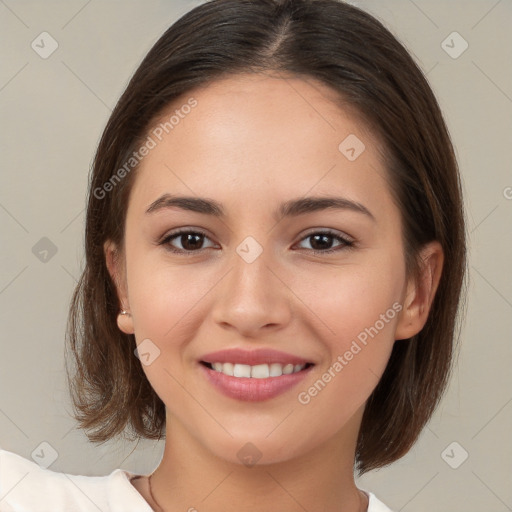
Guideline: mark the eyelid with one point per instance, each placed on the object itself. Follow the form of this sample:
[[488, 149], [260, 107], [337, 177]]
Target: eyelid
[[328, 231]]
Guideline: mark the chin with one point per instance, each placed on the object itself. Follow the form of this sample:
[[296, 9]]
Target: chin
[[259, 449]]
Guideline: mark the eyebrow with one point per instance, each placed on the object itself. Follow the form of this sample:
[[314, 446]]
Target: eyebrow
[[291, 208]]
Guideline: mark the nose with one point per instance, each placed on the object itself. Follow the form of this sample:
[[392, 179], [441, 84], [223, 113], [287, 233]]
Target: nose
[[252, 299]]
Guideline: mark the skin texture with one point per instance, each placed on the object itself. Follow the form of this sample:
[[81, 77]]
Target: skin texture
[[251, 143]]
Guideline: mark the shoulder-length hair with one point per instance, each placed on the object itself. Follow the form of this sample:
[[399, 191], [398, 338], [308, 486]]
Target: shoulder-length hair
[[374, 75]]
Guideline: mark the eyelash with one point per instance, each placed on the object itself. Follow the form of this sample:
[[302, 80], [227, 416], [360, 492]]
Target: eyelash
[[346, 243]]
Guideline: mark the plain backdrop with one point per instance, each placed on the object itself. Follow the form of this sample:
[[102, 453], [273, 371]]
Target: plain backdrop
[[53, 111]]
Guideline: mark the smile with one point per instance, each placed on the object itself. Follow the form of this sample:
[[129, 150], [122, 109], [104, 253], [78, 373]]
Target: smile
[[253, 375]]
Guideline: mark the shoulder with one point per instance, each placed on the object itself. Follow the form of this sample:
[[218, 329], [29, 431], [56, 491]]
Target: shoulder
[[375, 505], [24, 485]]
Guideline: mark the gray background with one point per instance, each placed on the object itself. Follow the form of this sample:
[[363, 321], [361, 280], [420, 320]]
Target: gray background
[[53, 111]]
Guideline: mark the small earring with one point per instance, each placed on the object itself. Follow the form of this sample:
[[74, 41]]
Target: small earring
[[125, 321]]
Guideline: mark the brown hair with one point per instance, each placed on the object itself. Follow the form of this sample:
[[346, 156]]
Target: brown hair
[[353, 53]]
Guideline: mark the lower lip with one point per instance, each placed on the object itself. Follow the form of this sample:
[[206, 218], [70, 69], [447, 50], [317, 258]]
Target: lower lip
[[250, 389]]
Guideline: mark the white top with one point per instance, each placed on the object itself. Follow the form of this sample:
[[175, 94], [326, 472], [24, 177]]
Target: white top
[[27, 487]]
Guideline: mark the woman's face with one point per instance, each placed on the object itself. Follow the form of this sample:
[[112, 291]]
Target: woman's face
[[247, 276]]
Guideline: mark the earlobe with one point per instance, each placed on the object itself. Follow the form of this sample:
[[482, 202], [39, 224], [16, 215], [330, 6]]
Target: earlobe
[[420, 293], [125, 322]]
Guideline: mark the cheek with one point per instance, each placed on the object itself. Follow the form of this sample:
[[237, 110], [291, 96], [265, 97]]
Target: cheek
[[349, 299], [164, 300], [360, 308], [365, 302], [163, 297]]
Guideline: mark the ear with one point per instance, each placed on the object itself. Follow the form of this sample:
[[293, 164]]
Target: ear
[[117, 273], [420, 292]]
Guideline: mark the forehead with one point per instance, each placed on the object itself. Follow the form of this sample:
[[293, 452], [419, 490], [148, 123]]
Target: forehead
[[250, 137]]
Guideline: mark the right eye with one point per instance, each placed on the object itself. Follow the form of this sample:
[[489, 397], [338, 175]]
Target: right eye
[[190, 241]]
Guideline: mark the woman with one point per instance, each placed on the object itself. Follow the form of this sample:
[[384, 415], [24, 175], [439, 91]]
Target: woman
[[274, 260]]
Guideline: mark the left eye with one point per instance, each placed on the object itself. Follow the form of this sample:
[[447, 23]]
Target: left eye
[[321, 239]]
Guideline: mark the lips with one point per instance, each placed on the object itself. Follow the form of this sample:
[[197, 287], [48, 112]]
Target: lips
[[231, 371]]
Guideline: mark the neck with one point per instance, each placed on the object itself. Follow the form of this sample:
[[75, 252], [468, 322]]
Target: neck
[[190, 477]]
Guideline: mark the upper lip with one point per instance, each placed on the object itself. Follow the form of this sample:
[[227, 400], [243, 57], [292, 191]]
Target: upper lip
[[252, 357]]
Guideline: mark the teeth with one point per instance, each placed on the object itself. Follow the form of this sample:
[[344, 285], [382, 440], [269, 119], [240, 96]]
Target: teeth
[[276, 370], [288, 369], [241, 370], [226, 368], [259, 371]]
